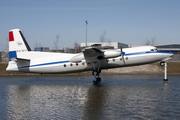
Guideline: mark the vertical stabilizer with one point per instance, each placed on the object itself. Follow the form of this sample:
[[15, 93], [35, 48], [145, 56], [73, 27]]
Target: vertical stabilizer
[[17, 43]]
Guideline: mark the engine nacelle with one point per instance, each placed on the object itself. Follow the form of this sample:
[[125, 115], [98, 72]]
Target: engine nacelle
[[112, 53], [77, 58], [105, 55]]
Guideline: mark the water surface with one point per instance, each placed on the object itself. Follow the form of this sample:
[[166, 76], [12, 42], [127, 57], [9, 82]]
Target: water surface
[[117, 97]]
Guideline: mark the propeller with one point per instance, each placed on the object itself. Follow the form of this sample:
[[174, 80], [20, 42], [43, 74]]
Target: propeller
[[122, 54]]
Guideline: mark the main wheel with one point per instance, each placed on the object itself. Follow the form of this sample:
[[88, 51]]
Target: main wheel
[[95, 72], [98, 79]]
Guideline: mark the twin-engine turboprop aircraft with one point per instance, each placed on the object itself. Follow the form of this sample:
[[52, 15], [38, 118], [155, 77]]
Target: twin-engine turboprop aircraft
[[21, 58]]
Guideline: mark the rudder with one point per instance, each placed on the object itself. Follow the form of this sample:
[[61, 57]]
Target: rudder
[[17, 43]]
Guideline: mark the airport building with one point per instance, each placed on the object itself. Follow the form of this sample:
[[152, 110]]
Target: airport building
[[106, 45], [130, 46], [4, 57], [174, 48], [45, 49], [0, 57]]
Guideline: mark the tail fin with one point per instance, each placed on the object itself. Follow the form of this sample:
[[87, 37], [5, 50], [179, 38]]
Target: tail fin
[[17, 43]]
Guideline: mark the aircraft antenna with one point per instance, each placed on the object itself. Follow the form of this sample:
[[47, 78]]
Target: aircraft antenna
[[86, 31]]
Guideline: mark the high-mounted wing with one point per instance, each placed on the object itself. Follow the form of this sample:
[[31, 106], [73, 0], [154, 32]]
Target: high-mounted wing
[[88, 54], [92, 53], [95, 53]]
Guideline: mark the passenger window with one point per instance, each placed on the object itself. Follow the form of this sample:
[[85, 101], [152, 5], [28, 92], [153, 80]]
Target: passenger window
[[64, 65]]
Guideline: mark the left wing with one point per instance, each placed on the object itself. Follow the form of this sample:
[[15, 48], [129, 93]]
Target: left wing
[[92, 53], [88, 54]]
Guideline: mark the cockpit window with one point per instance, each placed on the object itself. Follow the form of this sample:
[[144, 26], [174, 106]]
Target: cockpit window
[[153, 50]]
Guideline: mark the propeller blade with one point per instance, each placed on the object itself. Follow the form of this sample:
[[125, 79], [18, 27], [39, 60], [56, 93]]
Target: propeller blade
[[122, 54]]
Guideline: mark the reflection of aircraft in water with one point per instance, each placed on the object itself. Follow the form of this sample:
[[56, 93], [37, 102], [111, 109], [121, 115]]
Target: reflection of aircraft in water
[[21, 58]]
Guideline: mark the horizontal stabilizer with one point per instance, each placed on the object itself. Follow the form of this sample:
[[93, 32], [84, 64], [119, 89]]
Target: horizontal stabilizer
[[20, 60]]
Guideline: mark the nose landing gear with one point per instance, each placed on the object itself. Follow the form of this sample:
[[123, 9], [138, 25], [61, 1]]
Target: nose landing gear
[[163, 63]]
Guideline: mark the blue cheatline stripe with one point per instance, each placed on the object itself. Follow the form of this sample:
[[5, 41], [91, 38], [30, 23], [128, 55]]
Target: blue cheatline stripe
[[146, 52], [138, 53], [164, 52], [52, 63], [12, 54]]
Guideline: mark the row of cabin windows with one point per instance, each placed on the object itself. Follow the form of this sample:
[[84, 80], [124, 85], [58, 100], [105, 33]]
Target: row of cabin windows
[[89, 63], [72, 64], [120, 59]]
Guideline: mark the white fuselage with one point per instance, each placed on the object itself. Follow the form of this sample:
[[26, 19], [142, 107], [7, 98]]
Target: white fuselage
[[44, 62]]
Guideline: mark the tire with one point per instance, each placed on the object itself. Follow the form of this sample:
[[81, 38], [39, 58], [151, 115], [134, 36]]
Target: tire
[[162, 63], [94, 72]]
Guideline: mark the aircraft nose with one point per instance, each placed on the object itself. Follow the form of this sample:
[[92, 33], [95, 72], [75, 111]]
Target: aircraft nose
[[168, 54]]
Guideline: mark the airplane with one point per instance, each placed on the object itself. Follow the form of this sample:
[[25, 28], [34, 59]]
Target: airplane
[[23, 59]]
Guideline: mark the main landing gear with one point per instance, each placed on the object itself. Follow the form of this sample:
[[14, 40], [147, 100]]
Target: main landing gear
[[97, 80], [96, 73]]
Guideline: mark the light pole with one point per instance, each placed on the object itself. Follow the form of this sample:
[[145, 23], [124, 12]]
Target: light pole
[[86, 32]]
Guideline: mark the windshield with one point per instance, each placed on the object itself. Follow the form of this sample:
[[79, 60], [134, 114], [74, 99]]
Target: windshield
[[154, 50]]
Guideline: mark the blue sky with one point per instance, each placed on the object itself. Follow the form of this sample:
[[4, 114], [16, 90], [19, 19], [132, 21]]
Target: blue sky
[[127, 21]]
